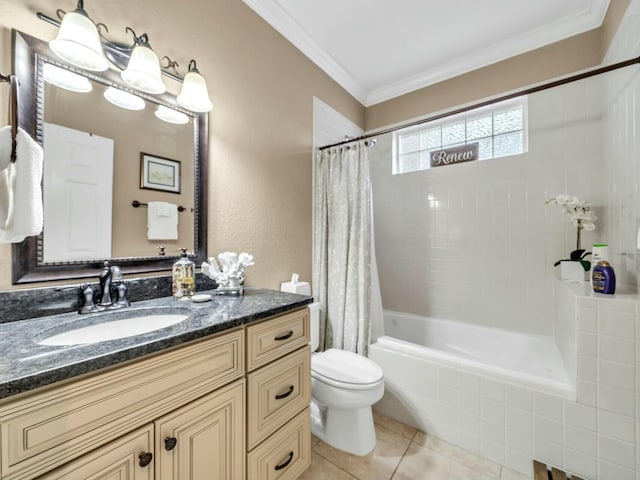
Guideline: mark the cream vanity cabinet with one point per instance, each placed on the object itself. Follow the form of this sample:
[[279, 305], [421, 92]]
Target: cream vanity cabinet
[[278, 397], [192, 412], [114, 424]]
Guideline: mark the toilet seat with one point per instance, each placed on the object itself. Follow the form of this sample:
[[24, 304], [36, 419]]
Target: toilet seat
[[346, 370]]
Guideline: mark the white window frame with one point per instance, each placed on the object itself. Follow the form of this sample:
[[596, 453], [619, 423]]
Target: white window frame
[[469, 115]]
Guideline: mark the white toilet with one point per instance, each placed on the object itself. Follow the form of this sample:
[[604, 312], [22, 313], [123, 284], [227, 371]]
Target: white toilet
[[344, 385]]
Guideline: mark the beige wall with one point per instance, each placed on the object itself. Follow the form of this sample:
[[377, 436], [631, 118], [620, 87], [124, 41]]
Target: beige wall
[[560, 58], [260, 127]]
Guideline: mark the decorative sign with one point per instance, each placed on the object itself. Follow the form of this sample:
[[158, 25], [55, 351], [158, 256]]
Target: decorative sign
[[448, 156]]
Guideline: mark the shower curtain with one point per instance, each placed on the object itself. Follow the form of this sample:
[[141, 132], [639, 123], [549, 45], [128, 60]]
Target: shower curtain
[[343, 254]]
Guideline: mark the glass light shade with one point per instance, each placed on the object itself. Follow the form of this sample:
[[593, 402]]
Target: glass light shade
[[78, 43], [171, 116], [123, 99], [194, 95], [65, 79], [143, 71]]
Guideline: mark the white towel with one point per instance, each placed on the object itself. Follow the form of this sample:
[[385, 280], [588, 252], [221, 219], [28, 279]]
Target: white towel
[[21, 213], [162, 221]]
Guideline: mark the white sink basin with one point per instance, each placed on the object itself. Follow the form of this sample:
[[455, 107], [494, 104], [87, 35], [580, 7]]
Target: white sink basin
[[114, 329]]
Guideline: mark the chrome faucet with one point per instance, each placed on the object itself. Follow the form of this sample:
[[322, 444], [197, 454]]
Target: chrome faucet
[[109, 276], [106, 277]]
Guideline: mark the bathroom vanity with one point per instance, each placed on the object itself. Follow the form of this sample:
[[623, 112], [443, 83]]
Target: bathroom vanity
[[222, 395]]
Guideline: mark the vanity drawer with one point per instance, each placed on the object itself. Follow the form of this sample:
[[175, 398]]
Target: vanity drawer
[[46, 429], [273, 339], [276, 393], [286, 455], [118, 459]]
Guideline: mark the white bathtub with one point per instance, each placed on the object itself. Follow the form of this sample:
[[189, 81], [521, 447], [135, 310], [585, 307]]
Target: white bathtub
[[529, 361]]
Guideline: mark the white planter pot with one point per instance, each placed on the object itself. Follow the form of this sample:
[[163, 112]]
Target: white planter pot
[[573, 272]]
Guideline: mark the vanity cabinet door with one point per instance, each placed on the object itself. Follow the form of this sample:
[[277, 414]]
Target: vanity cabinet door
[[205, 439], [127, 458]]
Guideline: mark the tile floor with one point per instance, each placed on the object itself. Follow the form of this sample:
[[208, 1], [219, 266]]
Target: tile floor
[[403, 453]]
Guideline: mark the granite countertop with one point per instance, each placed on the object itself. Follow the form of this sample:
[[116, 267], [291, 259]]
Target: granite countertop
[[26, 365]]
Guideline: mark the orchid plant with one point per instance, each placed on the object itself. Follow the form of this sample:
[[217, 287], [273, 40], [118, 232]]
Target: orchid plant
[[581, 216]]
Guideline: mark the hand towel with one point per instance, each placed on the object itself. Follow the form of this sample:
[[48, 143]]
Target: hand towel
[[21, 210], [162, 221]]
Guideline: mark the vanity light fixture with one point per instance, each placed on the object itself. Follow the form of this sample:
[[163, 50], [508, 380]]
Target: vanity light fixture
[[194, 95], [123, 99], [78, 41], [81, 42], [171, 116], [65, 79], [143, 70]]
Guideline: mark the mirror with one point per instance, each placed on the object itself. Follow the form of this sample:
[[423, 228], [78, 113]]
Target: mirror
[[128, 157]]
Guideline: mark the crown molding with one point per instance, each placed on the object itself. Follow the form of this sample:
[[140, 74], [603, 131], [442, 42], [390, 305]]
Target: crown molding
[[526, 42], [281, 21]]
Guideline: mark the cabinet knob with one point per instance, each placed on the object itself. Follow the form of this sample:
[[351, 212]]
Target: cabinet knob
[[286, 463], [280, 396], [170, 443], [289, 334], [145, 458]]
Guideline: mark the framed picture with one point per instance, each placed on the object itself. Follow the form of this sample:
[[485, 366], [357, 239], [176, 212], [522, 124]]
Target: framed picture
[[158, 173]]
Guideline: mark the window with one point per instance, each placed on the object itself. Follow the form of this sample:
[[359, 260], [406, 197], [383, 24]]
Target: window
[[499, 129]]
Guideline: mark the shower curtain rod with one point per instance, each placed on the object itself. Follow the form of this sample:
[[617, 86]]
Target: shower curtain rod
[[520, 93]]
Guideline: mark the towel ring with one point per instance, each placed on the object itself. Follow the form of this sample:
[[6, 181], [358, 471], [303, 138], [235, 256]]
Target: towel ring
[[13, 111]]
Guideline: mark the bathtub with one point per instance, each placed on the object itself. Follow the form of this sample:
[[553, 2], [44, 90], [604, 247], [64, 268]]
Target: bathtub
[[530, 361]]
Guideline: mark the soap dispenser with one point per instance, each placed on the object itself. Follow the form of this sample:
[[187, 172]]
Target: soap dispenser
[[184, 277]]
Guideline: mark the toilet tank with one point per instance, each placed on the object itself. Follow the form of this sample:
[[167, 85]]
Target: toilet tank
[[314, 324]]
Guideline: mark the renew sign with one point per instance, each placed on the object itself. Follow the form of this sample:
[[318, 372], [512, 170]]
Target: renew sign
[[448, 156]]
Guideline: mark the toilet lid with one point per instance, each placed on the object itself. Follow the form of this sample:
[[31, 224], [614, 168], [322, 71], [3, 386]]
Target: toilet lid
[[345, 367]]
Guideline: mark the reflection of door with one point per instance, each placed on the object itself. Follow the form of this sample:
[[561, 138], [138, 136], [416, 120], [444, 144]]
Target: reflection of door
[[77, 185]]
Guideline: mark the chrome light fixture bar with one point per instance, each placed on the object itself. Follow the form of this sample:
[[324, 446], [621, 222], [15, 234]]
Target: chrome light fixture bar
[[138, 63]]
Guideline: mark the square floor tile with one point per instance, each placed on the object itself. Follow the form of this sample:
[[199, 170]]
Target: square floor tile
[[394, 425], [377, 465], [323, 469], [459, 455], [422, 463]]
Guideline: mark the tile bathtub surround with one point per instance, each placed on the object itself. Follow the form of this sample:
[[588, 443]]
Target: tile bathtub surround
[[403, 453], [594, 437], [475, 242], [44, 301]]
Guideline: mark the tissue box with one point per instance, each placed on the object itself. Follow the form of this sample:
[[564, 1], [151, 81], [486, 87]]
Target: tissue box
[[294, 286]]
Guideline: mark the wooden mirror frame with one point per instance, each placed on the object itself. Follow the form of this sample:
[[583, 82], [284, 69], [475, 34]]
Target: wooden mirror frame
[[28, 55]]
